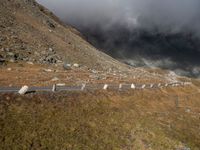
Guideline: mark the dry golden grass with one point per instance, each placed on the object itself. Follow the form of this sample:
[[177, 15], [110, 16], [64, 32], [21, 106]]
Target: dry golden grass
[[22, 73], [141, 120]]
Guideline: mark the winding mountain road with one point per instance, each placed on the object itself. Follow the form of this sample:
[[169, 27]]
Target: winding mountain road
[[94, 87]]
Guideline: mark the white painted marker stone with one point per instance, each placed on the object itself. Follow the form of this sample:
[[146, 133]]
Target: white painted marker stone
[[105, 87], [143, 86], [132, 86], [23, 90], [120, 86], [151, 86], [54, 88], [83, 87]]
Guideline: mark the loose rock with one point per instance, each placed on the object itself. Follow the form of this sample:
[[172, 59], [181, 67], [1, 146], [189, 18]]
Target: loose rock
[[50, 24], [55, 79], [30, 63], [48, 70], [76, 65], [67, 66]]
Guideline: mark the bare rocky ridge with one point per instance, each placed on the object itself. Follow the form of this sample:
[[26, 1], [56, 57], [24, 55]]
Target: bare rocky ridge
[[29, 32]]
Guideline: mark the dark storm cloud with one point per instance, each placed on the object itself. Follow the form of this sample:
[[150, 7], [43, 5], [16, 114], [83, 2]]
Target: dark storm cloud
[[167, 15], [155, 33]]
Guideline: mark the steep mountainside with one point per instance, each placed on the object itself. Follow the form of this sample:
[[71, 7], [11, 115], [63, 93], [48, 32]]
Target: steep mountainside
[[29, 32], [177, 51], [32, 35]]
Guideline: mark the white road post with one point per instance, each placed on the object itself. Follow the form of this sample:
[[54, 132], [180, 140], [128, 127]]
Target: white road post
[[143, 86], [132, 86], [105, 87], [54, 88], [83, 87], [23, 90], [159, 84], [151, 86], [120, 86]]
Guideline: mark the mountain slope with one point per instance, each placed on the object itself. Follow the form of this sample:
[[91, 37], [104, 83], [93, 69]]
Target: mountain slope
[[177, 51], [29, 32]]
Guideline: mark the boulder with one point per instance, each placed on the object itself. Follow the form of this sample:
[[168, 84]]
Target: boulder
[[50, 60], [51, 49], [50, 24], [30, 63], [55, 79], [76, 65], [48, 70], [67, 66]]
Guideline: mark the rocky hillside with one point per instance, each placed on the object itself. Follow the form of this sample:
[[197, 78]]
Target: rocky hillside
[[29, 32], [178, 51], [33, 40]]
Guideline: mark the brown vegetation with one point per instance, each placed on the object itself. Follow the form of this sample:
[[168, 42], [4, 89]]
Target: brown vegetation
[[148, 119], [156, 119]]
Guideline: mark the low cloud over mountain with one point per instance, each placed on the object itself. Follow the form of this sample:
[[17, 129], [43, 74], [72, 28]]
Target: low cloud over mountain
[[153, 33]]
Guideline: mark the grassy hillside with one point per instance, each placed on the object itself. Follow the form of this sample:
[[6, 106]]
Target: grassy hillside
[[139, 120]]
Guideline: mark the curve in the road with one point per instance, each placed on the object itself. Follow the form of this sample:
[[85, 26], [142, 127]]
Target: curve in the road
[[94, 87]]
